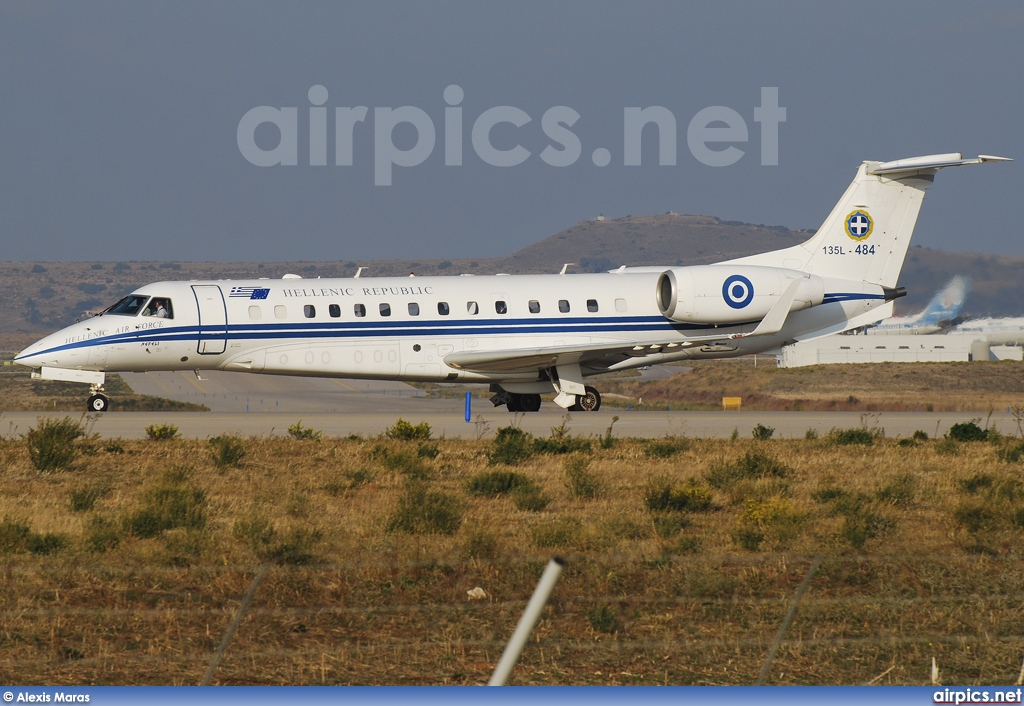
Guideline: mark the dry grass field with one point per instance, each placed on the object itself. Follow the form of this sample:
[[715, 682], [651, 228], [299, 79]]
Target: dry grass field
[[125, 563], [868, 387]]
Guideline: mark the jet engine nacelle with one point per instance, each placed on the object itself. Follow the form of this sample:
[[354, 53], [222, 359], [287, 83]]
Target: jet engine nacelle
[[724, 294]]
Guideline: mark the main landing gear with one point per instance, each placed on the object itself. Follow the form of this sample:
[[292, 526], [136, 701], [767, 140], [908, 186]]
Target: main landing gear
[[590, 401], [97, 401]]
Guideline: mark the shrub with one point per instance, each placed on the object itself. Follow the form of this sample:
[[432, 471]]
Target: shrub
[[668, 525], [752, 465], [661, 496], [84, 498], [564, 531], [967, 431], [579, 481], [563, 445], [13, 536], [495, 483], [811, 434], [480, 544], [608, 441], [667, 447], [947, 447], [603, 618], [173, 502], [403, 460], [102, 534], [161, 432], [512, 446], [256, 530], [404, 431], [762, 433], [297, 431], [422, 511], [974, 516], [852, 437], [51, 445], [920, 435], [1011, 454], [226, 451], [899, 491], [17, 537], [530, 498], [428, 451], [774, 520], [262, 538], [972, 484]]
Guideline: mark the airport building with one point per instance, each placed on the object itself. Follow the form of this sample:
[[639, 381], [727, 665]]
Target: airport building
[[896, 348]]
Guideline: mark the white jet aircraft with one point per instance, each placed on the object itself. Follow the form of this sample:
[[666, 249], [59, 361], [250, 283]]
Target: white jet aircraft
[[525, 335]]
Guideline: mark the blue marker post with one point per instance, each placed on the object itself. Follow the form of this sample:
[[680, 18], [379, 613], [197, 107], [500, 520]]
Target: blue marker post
[[469, 406]]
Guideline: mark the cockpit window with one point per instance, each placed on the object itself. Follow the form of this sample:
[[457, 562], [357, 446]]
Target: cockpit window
[[159, 307], [129, 306]]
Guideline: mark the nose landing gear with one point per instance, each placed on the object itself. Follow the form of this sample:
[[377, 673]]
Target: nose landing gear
[[97, 401]]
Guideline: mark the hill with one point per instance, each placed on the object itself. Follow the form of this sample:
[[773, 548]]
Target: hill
[[43, 296]]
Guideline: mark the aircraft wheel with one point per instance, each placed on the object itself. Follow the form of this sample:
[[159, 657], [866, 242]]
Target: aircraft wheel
[[98, 403], [589, 402], [530, 403], [515, 403]]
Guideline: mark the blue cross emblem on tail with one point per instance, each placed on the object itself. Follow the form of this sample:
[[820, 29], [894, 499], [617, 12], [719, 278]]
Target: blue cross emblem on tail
[[859, 225]]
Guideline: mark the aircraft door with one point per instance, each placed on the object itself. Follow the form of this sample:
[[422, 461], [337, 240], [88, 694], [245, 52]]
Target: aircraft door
[[213, 319]]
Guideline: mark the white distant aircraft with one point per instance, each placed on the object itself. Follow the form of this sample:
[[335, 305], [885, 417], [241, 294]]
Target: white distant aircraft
[[525, 335], [997, 331], [941, 312]]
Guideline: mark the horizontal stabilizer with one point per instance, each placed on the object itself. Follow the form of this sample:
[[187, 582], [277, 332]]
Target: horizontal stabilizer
[[932, 161]]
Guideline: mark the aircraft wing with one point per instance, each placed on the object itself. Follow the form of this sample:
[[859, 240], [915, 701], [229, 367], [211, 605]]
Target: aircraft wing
[[530, 359], [586, 355]]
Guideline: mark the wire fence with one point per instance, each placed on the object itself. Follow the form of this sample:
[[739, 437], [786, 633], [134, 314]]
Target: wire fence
[[682, 619]]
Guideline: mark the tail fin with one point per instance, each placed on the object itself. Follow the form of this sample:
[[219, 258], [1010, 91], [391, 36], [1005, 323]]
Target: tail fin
[[946, 305], [868, 232]]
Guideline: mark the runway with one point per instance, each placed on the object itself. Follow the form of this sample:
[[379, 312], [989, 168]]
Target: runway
[[449, 422]]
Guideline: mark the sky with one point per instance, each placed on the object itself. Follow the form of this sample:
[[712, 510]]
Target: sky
[[139, 131]]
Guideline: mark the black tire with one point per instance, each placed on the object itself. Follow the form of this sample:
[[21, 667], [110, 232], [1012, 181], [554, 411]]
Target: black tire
[[589, 402], [530, 403], [98, 403], [515, 404]]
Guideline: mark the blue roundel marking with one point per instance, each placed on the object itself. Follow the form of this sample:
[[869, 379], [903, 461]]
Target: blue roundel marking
[[737, 291]]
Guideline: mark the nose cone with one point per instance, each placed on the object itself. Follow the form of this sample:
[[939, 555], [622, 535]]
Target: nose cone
[[39, 352]]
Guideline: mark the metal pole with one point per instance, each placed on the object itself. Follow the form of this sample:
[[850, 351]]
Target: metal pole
[[526, 623], [469, 406]]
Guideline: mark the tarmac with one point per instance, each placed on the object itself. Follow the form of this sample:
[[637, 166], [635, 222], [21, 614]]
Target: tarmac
[[266, 405]]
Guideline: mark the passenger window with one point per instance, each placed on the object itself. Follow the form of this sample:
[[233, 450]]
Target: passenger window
[[309, 311], [334, 310], [500, 307], [443, 309], [159, 307], [414, 309], [620, 305], [359, 310], [255, 313], [280, 312], [472, 308], [592, 305], [385, 309], [563, 306], [534, 306]]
